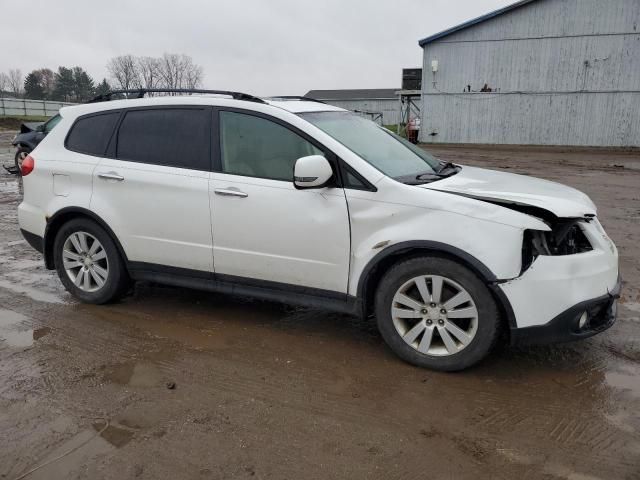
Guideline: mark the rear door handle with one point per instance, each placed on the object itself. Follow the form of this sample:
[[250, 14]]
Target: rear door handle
[[111, 176], [230, 192]]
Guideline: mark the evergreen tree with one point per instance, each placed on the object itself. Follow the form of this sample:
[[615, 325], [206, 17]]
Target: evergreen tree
[[84, 87], [64, 85], [33, 88], [103, 87]]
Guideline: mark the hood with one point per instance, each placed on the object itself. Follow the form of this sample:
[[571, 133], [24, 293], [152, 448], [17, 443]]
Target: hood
[[29, 127], [503, 187]]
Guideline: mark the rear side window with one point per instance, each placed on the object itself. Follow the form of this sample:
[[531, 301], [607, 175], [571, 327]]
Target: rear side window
[[91, 135], [176, 137]]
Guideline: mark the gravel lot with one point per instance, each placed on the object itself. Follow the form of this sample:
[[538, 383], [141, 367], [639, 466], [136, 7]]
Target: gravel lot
[[173, 383]]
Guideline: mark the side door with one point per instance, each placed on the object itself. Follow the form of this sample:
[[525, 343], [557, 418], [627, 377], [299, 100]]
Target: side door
[[263, 227], [152, 188]]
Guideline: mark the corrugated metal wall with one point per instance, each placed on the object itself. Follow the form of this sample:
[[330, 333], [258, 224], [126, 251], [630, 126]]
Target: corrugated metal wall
[[567, 72], [388, 108]]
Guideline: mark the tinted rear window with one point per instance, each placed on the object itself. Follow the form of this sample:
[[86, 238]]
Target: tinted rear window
[[91, 135], [175, 137]]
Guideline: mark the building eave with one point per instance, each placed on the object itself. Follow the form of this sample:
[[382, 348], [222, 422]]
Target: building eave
[[474, 21]]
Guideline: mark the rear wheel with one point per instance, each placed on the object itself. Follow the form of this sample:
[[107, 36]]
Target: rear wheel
[[88, 262], [435, 313]]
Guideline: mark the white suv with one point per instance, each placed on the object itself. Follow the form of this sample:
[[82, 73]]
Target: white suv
[[294, 200]]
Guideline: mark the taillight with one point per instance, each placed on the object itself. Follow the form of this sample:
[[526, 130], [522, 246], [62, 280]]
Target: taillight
[[28, 164]]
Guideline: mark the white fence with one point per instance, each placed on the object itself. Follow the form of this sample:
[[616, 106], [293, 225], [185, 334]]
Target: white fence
[[26, 107]]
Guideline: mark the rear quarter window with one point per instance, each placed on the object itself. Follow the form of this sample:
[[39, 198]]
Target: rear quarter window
[[91, 135]]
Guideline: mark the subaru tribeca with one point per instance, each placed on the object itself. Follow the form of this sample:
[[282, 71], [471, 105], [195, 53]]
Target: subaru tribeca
[[293, 200]]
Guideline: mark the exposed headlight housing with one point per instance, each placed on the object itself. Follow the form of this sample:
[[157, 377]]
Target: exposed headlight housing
[[565, 238]]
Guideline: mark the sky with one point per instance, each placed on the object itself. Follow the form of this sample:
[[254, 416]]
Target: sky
[[262, 47]]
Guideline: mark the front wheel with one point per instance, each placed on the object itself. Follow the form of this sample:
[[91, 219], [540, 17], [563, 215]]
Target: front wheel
[[88, 262], [436, 313]]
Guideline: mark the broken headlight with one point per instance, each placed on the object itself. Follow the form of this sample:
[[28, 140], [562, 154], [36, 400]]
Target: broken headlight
[[565, 238]]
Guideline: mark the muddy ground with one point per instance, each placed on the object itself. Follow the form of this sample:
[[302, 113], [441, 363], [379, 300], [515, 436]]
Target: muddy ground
[[173, 383]]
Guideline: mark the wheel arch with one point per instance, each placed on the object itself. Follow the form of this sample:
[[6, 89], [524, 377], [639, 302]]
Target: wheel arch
[[56, 221], [380, 264]]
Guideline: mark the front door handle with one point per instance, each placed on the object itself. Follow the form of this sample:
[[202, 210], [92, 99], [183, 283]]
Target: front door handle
[[111, 176], [230, 192]]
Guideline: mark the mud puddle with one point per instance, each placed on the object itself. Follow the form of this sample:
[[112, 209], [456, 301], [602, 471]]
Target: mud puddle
[[15, 330]]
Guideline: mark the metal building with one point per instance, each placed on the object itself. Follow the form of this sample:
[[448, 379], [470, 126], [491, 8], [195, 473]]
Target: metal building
[[554, 72], [378, 104]]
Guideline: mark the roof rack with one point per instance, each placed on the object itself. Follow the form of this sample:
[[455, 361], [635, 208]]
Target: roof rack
[[294, 97], [141, 92]]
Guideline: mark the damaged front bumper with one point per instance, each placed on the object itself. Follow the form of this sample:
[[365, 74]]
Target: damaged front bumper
[[583, 320], [566, 297]]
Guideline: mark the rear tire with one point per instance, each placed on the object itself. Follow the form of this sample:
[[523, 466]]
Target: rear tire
[[88, 262], [435, 313]]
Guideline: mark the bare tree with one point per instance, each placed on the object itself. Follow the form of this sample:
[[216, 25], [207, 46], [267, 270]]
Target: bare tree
[[194, 76], [48, 80], [179, 71], [4, 82], [124, 72], [149, 70], [169, 71], [15, 82]]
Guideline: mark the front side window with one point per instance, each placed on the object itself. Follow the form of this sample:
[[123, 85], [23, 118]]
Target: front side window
[[389, 153], [91, 134], [176, 137], [256, 147]]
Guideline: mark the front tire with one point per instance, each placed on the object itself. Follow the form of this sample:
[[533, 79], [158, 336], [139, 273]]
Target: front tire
[[435, 313], [88, 262]]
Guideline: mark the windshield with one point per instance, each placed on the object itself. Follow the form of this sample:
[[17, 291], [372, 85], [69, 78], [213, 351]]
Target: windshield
[[52, 122], [392, 155]]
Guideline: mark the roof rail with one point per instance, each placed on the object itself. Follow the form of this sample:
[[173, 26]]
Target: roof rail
[[141, 92], [295, 97]]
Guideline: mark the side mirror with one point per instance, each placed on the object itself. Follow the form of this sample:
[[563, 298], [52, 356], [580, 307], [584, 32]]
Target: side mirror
[[313, 171]]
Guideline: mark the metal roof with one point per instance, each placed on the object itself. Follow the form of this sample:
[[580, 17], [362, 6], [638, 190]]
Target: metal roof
[[357, 94], [474, 21]]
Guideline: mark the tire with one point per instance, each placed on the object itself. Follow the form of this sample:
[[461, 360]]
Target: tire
[[472, 326], [19, 157], [104, 276]]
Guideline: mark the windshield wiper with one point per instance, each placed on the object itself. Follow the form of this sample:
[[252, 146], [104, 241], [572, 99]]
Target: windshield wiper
[[447, 166], [446, 169]]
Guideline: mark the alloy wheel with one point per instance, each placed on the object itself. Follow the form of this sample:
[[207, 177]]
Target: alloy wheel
[[85, 261], [434, 315]]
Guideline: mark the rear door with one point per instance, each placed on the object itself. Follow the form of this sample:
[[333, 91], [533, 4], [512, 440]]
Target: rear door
[[152, 188]]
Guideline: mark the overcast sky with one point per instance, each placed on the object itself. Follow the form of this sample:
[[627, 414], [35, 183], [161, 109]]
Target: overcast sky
[[264, 47]]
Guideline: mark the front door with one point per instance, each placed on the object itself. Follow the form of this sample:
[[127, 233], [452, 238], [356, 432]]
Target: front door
[[263, 227]]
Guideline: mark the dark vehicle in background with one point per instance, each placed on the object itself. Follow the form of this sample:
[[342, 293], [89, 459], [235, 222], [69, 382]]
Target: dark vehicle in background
[[31, 134]]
